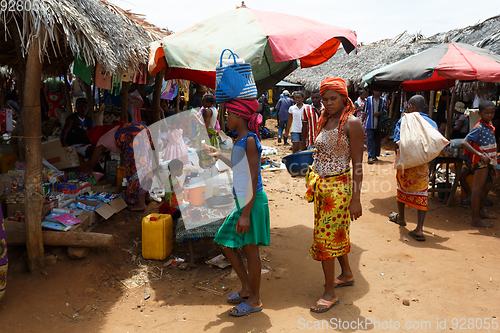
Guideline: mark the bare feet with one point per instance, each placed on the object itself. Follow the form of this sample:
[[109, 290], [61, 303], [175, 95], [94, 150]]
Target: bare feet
[[481, 224], [485, 215]]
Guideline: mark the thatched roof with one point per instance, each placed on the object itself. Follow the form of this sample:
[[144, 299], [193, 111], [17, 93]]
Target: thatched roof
[[95, 29], [378, 54]]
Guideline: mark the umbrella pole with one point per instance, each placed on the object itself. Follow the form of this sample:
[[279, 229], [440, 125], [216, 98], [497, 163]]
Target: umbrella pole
[[157, 96], [450, 114], [391, 108], [431, 102]]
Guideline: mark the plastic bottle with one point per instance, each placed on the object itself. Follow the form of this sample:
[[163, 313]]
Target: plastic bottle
[[207, 177], [215, 179]]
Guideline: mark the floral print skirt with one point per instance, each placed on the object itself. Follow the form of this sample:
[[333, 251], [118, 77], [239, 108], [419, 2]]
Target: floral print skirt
[[332, 217]]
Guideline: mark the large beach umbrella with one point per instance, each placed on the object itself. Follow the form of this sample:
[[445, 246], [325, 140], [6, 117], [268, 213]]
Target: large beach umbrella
[[437, 68], [271, 42]]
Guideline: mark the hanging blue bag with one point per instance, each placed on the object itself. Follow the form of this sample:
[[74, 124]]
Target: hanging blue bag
[[233, 79]]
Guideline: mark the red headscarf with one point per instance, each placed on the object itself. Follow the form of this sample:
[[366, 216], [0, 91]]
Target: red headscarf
[[338, 85], [247, 109]]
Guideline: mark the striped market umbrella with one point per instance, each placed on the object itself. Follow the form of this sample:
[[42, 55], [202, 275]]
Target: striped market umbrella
[[271, 42], [437, 68]]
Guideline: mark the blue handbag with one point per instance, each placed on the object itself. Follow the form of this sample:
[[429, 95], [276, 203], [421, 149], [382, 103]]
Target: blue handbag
[[234, 81]]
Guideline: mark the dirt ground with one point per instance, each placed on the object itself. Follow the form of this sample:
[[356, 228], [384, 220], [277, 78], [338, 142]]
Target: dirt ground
[[450, 281]]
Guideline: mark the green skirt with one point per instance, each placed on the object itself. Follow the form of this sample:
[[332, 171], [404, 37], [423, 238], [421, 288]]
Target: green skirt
[[260, 229]]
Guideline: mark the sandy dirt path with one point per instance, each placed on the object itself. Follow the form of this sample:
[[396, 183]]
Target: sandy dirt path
[[450, 281]]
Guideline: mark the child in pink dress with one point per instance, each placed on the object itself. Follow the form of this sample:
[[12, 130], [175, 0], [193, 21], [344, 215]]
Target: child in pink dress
[[176, 147]]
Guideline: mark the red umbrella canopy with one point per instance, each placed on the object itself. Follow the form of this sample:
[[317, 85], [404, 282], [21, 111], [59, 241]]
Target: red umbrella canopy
[[437, 68], [270, 42]]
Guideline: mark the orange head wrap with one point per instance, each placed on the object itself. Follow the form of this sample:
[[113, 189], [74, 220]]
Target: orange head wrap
[[338, 85]]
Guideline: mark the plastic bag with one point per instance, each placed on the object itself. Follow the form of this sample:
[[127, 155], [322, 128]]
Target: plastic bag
[[225, 142], [419, 143]]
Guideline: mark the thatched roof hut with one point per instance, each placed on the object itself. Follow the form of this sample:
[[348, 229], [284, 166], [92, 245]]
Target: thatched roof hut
[[45, 36], [95, 29], [378, 54]]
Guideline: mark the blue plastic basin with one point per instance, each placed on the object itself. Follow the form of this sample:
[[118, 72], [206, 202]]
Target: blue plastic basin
[[298, 163]]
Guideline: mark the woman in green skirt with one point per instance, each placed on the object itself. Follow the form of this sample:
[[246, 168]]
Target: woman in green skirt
[[247, 226]]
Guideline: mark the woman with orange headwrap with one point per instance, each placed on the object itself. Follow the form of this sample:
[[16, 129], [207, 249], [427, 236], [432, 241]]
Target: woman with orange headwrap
[[330, 186]]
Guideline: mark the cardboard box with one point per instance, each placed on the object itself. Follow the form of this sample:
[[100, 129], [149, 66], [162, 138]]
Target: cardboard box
[[12, 208], [59, 156], [105, 211], [103, 188]]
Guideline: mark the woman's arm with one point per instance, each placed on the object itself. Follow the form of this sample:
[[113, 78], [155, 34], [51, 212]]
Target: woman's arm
[[253, 159], [207, 115], [355, 133]]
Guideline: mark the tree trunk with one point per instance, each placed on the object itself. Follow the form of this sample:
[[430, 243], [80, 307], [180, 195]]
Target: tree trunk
[[432, 98], [33, 150], [157, 96], [124, 101], [69, 238]]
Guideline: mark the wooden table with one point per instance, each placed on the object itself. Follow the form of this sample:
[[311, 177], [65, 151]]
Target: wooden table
[[450, 191]]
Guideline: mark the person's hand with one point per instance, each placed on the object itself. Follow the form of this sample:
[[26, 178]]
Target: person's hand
[[494, 173], [485, 158], [356, 210], [376, 114], [243, 225], [285, 135], [210, 150]]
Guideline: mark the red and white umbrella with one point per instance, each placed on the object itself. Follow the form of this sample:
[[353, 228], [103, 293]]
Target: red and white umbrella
[[271, 42], [437, 68]]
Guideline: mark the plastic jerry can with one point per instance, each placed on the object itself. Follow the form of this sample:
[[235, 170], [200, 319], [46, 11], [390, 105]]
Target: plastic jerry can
[[157, 236]]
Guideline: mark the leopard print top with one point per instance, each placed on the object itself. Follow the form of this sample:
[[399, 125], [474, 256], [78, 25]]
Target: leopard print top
[[331, 156]]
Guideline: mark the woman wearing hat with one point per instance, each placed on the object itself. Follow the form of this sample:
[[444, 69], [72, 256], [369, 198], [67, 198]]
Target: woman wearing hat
[[460, 122]]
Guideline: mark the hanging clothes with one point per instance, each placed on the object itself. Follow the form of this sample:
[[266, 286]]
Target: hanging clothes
[[81, 70], [135, 102], [102, 78]]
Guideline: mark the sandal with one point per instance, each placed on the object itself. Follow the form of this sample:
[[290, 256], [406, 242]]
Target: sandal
[[394, 217]]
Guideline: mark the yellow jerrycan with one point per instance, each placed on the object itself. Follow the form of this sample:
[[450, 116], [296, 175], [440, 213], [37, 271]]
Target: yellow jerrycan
[[157, 236]]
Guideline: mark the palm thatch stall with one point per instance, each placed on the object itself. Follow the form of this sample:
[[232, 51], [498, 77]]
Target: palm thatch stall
[[44, 37], [378, 54]]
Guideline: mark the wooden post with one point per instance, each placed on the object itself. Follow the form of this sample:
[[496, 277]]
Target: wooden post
[[431, 102], [124, 101], [391, 107], [157, 95], [33, 150], [449, 120], [68, 106], [178, 101], [69, 238], [90, 99]]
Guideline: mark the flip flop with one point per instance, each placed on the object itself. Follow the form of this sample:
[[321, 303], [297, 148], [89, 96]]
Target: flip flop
[[393, 217], [419, 238], [244, 310], [235, 298], [488, 203], [340, 283], [465, 202], [324, 302]]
